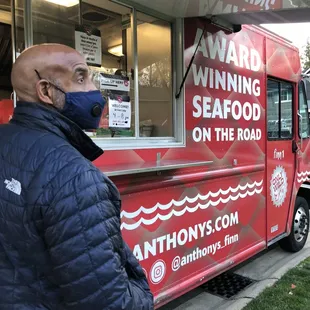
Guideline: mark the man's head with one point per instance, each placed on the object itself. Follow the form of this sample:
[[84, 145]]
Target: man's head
[[40, 68], [57, 76]]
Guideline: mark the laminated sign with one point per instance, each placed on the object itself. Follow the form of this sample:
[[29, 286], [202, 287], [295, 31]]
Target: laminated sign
[[119, 112], [88, 43], [114, 83]]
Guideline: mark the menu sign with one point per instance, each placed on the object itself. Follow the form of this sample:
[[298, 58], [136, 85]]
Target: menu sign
[[88, 43]]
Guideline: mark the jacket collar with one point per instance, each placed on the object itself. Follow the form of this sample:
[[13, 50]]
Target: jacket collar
[[37, 116]]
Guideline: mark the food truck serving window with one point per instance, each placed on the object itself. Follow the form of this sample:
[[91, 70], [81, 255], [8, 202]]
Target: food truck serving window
[[130, 54]]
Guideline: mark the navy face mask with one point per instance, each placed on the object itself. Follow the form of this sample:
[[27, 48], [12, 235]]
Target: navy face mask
[[83, 108]]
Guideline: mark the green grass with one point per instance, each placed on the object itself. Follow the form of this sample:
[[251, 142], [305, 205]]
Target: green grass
[[281, 296]]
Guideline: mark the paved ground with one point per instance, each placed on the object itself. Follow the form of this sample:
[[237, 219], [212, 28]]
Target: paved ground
[[266, 269]]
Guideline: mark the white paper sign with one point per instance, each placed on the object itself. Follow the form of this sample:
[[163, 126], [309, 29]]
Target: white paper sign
[[89, 46], [114, 84], [119, 113]]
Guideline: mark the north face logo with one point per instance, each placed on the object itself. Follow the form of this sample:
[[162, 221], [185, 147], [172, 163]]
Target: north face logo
[[13, 186]]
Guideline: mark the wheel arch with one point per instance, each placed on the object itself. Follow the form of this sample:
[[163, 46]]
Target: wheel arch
[[304, 191]]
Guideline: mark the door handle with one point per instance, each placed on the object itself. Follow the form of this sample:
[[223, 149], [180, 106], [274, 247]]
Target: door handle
[[300, 125], [294, 146]]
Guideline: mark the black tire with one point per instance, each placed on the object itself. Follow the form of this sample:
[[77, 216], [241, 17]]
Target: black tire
[[291, 242]]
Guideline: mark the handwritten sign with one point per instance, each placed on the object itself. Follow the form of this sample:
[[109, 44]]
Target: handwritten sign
[[88, 43], [119, 112]]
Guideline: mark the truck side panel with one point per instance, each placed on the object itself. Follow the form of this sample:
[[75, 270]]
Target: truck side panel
[[283, 60], [188, 225]]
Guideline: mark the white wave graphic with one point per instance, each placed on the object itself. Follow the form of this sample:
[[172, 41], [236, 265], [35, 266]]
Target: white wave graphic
[[163, 207], [177, 213], [303, 174], [305, 179]]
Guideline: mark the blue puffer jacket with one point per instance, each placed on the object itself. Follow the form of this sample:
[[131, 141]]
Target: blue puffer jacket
[[60, 240]]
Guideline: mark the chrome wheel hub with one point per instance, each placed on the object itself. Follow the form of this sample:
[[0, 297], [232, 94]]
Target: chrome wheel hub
[[300, 224]]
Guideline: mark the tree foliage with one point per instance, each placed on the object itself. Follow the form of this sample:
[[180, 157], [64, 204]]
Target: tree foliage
[[306, 56]]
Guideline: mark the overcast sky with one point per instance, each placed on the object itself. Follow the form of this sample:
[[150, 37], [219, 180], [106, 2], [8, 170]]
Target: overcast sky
[[297, 33]]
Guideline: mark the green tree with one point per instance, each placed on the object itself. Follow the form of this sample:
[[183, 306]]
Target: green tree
[[305, 58]]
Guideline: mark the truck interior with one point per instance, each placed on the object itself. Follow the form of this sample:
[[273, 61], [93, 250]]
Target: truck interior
[[6, 56], [6, 61]]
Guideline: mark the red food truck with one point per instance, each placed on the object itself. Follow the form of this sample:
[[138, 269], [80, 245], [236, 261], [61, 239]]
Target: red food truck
[[240, 180]]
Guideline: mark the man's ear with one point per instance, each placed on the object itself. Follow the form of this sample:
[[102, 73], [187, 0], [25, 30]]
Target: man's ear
[[44, 91]]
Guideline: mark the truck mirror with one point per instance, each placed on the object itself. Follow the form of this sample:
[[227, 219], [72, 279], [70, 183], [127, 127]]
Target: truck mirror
[[306, 82], [303, 108]]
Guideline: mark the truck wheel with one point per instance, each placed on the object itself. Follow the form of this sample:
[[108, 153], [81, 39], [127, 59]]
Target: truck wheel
[[296, 240]]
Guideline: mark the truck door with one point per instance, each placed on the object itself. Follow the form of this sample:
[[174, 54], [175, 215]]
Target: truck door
[[280, 157]]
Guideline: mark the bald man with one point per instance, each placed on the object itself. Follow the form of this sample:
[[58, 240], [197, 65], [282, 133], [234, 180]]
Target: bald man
[[60, 241]]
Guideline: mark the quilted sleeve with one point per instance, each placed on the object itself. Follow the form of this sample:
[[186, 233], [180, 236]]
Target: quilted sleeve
[[92, 265]]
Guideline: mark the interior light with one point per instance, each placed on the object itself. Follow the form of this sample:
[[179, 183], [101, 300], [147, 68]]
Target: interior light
[[66, 3], [116, 50]]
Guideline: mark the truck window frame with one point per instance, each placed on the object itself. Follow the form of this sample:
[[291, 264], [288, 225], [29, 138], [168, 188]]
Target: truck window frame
[[177, 71], [280, 82], [178, 115], [302, 91]]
